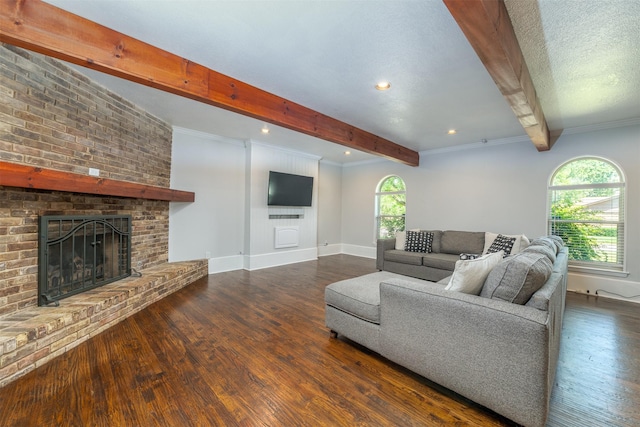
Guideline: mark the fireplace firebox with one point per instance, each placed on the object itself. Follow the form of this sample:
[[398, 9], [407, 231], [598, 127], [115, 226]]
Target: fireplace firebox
[[78, 253]]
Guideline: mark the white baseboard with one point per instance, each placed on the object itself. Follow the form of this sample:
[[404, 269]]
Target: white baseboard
[[257, 262], [607, 287], [363, 251], [274, 259], [334, 249], [227, 263]]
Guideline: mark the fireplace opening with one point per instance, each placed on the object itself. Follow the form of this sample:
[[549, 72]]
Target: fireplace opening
[[78, 253]]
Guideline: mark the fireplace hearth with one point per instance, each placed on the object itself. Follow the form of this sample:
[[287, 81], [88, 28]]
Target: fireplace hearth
[[78, 253]]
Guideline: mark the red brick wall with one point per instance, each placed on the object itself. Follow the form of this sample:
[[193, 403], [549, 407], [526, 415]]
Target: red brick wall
[[54, 117]]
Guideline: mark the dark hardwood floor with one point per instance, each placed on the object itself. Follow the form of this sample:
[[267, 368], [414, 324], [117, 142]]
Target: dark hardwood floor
[[251, 349]]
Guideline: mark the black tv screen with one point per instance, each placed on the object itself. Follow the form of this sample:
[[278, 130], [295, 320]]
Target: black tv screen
[[286, 189]]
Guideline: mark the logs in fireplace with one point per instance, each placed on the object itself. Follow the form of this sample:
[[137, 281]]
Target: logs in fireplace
[[78, 253]]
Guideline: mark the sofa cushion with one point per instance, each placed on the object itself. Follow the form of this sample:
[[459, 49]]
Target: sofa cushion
[[360, 296], [543, 249], [458, 242], [545, 241], [401, 238], [469, 275], [516, 278], [412, 258], [437, 236], [557, 240], [502, 244], [540, 299], [519, 245], [418, 241], [440, 261]]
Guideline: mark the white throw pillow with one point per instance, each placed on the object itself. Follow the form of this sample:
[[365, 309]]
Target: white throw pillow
[[401, 239], [469, 275], [521, 243]]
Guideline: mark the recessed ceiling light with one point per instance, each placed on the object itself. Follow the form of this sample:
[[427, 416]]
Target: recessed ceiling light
[[383, 85], [265, 130], [452, 132], [346, 153]]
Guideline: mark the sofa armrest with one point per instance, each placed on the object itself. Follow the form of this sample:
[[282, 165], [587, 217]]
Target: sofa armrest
[[492, 352], [383, 245]]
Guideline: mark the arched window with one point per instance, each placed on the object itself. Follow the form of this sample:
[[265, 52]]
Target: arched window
[[586, 209], [391, 201]]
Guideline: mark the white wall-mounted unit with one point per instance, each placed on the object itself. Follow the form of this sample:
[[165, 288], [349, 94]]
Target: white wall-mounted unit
[[286, 237]]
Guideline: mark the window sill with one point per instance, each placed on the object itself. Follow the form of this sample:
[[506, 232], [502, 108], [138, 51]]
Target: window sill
[[597, 271]]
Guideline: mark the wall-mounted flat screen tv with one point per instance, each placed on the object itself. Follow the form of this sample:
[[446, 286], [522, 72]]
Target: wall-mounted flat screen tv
[[287, 189]]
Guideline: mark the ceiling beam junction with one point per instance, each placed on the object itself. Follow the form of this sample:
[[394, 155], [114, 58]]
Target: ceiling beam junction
[[487, 26]]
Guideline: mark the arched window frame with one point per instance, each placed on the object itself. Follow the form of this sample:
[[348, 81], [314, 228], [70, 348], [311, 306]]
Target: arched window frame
[[581, 251], [388, 223]]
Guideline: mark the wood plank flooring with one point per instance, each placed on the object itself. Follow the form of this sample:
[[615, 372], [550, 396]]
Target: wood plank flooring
[[251, 349]]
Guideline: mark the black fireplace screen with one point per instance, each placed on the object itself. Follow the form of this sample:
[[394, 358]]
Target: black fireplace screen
[[78, 253]]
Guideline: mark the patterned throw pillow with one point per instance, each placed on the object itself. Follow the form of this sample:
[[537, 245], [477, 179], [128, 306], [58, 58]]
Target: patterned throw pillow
[[502, 243], [418, 241]]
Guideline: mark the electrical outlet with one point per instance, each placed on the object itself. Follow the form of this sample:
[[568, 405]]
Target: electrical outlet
[[94, 172], [207, 254]]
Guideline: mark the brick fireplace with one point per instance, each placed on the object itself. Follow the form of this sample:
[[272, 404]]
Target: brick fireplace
[[55, 119]]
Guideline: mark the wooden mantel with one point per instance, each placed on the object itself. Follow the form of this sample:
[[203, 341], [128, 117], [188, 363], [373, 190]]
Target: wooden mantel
[[24, 176]]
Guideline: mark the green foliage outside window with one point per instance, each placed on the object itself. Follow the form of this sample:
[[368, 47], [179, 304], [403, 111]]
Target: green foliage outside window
[[576, 235], [391, 207], [586, 200]]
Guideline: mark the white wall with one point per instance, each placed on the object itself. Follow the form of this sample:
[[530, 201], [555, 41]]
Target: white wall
[[213, 226], [500, 188], [229, 221], [329, 208], [261, 252]]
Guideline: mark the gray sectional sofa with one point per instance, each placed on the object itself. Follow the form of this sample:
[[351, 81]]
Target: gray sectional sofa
[[439, 263], [499, 348]]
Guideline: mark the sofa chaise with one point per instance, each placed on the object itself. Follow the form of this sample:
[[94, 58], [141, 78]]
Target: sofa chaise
[[498, 348]]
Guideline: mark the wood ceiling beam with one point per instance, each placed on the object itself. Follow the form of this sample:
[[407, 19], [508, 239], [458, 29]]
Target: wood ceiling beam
[[43, 28], [487, 26]]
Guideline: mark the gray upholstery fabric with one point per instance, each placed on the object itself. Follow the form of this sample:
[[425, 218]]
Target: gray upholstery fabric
[[383, 245], [417, 271], [458, 242], [557, 240], [542, 249], [540, 299], [498, 354], [432, 266], [412, 258], [492, 352], [516, 278], [359, 296], [437, 236], [444, 281], [441, 261], [545, 241], [356, 329]]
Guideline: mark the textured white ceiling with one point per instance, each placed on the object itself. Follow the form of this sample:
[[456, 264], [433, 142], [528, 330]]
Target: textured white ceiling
[[327, 55], [584, 58]]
